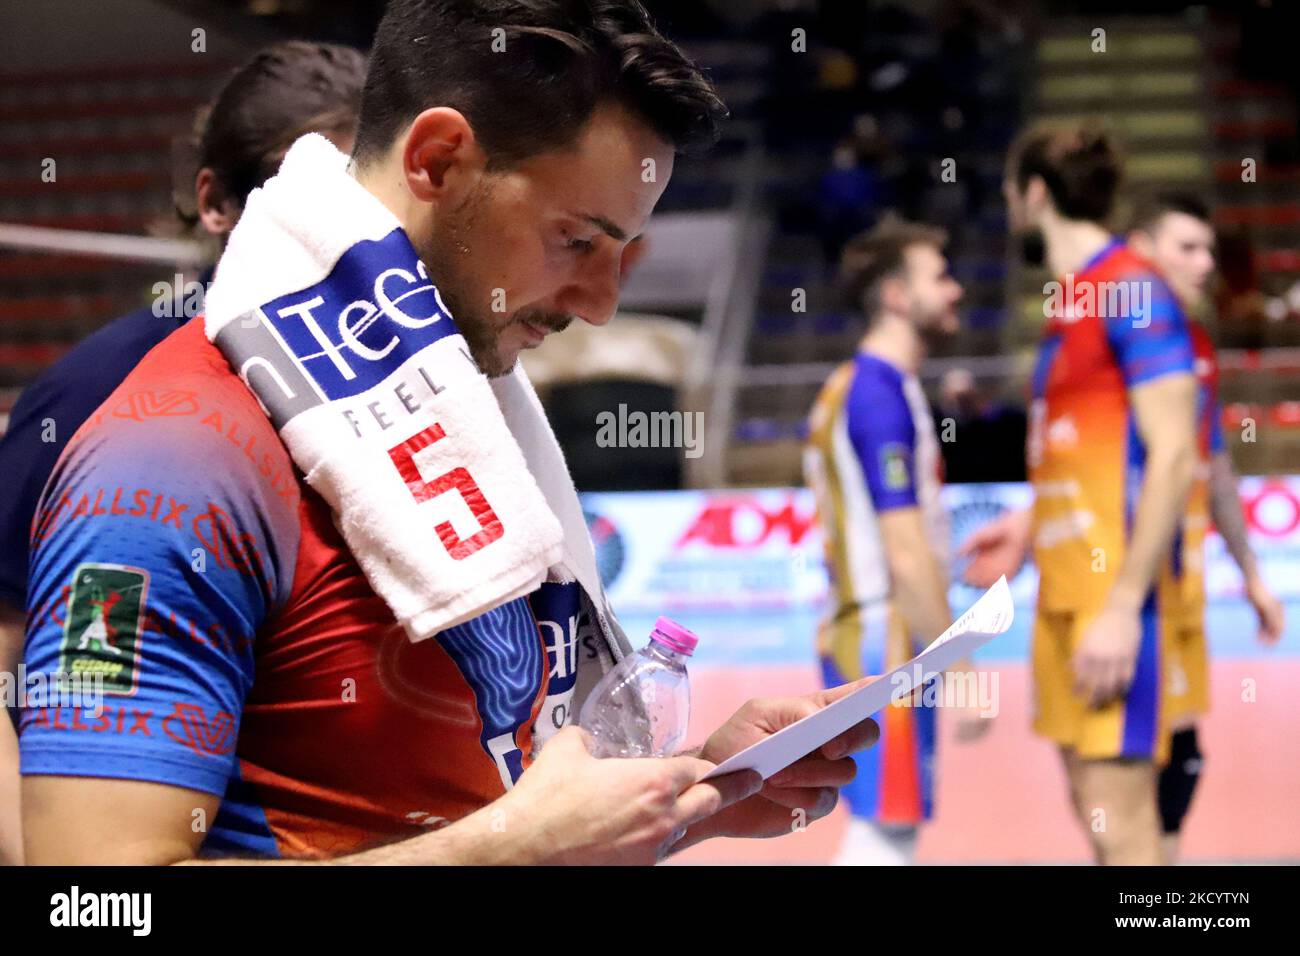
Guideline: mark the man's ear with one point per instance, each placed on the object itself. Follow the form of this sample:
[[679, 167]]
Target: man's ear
[[1036, 196], [441, 158], [217, 210], [893, 293]]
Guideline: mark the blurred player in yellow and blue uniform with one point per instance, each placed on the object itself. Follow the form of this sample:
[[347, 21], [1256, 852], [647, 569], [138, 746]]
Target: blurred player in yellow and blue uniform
[[874, 465], [1174, 231]]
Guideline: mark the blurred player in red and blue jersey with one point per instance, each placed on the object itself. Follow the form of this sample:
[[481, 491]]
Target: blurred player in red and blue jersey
[[1174, 231], [1112, 455]]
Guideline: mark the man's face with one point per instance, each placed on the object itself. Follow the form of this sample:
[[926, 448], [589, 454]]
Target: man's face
[[533, 247], [932, 291], [1182, 248], [1023, 208]]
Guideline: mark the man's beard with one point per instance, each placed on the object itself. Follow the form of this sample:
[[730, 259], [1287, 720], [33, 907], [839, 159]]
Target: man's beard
[[933, 331], [444, 254], [475, 328], [483, 335], [1033, 248]]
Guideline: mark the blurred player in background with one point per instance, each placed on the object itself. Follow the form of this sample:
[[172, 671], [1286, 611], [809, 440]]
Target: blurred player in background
[[873, 463], [1173, 230], [1112, 456], [285, 90]]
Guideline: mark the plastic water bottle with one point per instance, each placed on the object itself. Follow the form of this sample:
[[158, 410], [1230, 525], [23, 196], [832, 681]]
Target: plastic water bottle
[[642, 706]]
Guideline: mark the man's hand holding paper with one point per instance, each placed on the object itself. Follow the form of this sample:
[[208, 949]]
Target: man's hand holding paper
[[802, 746]]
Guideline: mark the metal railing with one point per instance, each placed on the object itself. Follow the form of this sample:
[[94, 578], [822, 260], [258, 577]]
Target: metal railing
[[108, 245]]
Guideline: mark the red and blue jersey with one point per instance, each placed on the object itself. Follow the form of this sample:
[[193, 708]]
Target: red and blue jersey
[[1113, 325], [1209, 411], [179, 559]]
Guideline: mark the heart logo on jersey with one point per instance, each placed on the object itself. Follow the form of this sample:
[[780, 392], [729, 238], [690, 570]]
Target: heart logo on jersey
[[151, 403], [189, 726]]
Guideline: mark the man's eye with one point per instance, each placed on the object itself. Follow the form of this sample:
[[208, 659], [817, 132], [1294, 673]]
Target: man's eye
[[582, 245]]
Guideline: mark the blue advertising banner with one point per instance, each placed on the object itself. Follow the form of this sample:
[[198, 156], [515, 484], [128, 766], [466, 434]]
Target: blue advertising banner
[[743, 567]]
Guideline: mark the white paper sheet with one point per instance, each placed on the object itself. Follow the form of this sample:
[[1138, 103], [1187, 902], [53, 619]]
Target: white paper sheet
[[989, 616]]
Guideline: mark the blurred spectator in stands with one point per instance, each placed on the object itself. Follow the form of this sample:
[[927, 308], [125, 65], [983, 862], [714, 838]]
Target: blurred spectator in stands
[[981, 438], [872, 147], [286, 90], [848, 199]]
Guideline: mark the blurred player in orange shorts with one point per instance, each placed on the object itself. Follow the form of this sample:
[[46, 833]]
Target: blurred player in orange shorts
[[1173, 230], [1111, 454]]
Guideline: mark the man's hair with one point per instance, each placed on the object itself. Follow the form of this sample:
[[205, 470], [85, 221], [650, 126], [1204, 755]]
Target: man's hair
[[1081, 165], [1152, 209], [528, 74], [284, 91], [871, 257]]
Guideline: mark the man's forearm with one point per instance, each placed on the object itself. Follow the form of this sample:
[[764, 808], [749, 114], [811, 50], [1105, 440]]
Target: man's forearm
[[1162, 503], [1225, 509], [481, 839], [490, 836]]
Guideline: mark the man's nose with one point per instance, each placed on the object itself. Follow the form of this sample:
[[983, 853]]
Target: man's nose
[[593, 297]]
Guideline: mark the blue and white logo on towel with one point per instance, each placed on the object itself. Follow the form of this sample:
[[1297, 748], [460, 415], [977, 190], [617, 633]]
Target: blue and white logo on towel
[[373, 311]]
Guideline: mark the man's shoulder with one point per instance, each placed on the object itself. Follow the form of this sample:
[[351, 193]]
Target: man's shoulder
[[179, 457], [184, 412], [1129, 266], [877, 386], [836, 385], [876, 408], [183, 378]]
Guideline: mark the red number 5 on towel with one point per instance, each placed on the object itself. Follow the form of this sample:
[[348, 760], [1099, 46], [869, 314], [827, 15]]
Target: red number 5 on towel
[[459, 480]]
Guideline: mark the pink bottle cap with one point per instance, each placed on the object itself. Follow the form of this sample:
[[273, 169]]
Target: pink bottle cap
[[675, 637]]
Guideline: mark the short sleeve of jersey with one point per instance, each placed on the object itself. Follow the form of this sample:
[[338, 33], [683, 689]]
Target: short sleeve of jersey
[[158, 549], [883, 435], [1150, 335]]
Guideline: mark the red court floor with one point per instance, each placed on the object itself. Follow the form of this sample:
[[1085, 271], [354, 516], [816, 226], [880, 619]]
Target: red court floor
[[1002, 799]]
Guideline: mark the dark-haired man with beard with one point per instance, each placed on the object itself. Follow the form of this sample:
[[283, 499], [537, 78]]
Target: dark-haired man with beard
[[271, 706]]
